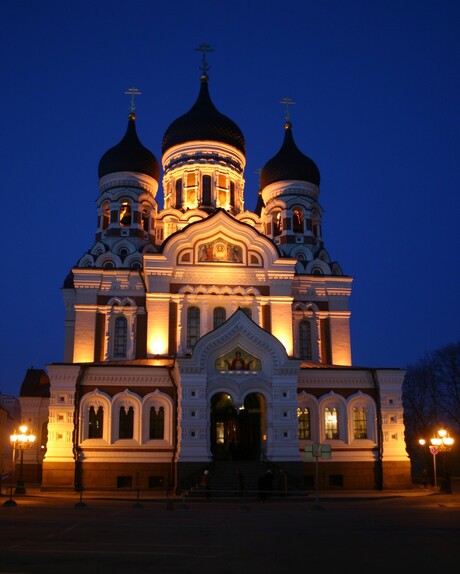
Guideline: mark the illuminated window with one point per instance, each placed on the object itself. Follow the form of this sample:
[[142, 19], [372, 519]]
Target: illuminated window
[[331, 423], [95, 422], [219, 316], [297, 221], [125, 213], [222, 180], [126, 422], [303, 419], [220, 432], [206, 193], [359, 423], [305, 340], [120, 337], [157, 423], [193, 326], [277, 223], [190, 179]]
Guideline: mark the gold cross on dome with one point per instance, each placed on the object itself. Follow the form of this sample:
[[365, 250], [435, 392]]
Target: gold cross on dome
[[287, 102], [132, 92], [204, 48]]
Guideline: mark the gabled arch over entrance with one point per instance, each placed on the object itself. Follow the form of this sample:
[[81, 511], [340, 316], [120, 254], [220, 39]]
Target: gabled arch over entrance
[[237, 433]]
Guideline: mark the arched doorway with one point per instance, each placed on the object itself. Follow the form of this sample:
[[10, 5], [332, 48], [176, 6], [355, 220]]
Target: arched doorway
[[237, 434]]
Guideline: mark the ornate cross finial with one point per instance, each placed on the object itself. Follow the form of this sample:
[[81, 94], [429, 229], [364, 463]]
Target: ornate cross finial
[[258, 171], [132, 92], [287, 102], [204, 48]]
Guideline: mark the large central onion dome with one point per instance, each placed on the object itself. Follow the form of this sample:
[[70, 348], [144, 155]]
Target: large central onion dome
[[204, 122], [289, 164], [129, 155]]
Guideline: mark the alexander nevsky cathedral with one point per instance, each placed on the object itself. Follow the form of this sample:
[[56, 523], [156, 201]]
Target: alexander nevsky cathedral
[[204, 336]]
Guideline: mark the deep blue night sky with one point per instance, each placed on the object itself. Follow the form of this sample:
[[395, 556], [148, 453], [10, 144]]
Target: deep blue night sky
[[376, 86]]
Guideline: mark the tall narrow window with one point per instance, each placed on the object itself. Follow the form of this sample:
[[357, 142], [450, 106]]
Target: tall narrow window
[[125, 213], [277, 223], [303, 420], [105, 215], [359, 423], [120, 339], [206, 193], [232, 193], [297, 221], [219, 316], [178, 193], [331, 423], [193, 326], [157, 423], [126, 424], [305, 340], [146, 219], [95, 422]]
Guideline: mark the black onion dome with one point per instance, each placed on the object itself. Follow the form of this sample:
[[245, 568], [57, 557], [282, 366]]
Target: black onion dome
[[289, 163], [129, 155], [204, 122]]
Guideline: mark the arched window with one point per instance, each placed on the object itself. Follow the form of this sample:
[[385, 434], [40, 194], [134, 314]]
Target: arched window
[[126, 422], [120, 337], [331, 423], [277, 223], [193, 326], [146, 219], [206, 193], [105, 215], [359, 422], [157, 423], [303, 419], [297, 220], [125, 213], [95, 422], [219, 316], [305, 340]]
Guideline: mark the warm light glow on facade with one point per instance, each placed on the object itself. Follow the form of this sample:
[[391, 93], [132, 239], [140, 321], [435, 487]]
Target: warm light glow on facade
[[158, 345]]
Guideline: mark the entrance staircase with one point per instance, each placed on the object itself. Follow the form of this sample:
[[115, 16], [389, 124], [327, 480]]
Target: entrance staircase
[[224, 478]]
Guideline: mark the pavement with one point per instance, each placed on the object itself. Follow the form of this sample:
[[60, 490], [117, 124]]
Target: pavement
[[34, 493]]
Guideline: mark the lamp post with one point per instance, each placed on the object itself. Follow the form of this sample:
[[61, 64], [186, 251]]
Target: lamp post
[[441, 442], [20, 441]]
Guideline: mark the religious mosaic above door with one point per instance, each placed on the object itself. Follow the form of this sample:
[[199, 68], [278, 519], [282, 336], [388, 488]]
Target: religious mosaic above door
[[238, 360], [220, 250]]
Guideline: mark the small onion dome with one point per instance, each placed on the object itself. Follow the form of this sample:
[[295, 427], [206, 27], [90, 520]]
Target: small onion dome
[[289, 163], [204, 122], [129, 155]]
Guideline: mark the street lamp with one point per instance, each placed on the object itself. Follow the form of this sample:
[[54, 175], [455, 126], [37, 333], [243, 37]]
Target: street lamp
[[439, 443], [21, 441]]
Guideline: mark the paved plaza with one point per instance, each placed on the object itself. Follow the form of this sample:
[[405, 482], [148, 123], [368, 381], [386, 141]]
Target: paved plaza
[[411, 531]]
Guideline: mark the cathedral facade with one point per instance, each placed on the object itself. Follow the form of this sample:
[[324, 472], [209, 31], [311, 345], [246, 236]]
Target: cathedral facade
[[202, 332]]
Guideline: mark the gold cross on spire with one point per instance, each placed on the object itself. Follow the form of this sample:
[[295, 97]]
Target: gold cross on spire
[[287, 102], [204, 48], [132, 92]]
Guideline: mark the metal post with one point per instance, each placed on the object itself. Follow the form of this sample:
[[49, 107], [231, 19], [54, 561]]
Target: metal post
[[316, 479], [434, 468], [20, 488]]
